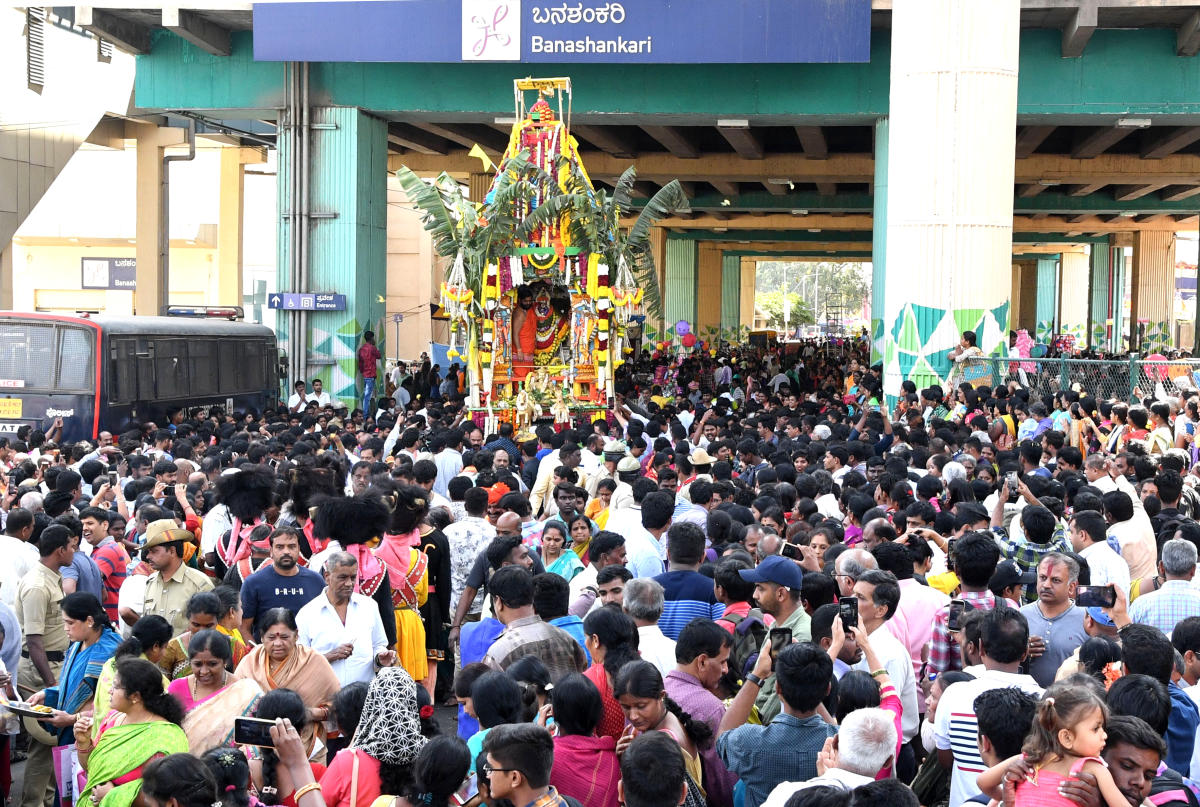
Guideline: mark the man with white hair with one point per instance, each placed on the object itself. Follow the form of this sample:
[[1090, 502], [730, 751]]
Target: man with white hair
[[1176, 599], [850, 566], [644, 603], [865, 744]]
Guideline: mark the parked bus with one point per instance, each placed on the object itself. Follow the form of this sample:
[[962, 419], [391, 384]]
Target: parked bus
[[105, 373]]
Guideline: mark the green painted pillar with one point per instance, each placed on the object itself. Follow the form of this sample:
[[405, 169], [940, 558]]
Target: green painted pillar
[[347, 240], [1117, 295], [1047, 297], [680, 291], [879, 239], [731, 294], [1099, 295]]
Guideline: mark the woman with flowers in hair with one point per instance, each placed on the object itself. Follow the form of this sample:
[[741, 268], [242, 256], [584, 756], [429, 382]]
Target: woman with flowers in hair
[[408, 571]]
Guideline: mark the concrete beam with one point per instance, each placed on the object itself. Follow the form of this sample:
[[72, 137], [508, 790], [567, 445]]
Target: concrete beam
[[1031, 190], [466, 136], [727, 188], [775, 189], [812, 140], [1187, 36], [1097, 143], [673, 140], [408, 137], [1172, 142], [1079, 29], [1180, 193], [1127, 193], [125, 35], [207, 36], [607, 140], [1030, 137], [109, 133], [827, 188], [1084, 190], [743, 141], [1105, 169]]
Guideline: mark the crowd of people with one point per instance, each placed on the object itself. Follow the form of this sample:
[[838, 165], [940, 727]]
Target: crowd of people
[[757, 582]]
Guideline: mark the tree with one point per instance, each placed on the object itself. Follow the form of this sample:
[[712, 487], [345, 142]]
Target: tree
[[771, 304], [848, 280]]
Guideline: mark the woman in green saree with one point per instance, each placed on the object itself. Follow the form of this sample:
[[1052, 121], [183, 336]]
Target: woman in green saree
[[143, 726]]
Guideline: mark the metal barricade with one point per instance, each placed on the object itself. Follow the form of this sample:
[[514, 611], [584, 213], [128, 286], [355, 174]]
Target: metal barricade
[[1128, 379]]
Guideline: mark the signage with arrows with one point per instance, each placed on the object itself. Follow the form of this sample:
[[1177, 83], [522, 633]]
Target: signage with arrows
[[310, 301]]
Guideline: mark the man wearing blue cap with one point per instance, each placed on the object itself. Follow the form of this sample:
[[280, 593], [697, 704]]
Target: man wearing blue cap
[[1095, 623], [777, 582]]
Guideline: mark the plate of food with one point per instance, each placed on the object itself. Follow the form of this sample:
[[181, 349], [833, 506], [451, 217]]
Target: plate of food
[[36, 711]]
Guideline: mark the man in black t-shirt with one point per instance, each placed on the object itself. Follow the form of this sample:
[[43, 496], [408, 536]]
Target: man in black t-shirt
[[279, 583]]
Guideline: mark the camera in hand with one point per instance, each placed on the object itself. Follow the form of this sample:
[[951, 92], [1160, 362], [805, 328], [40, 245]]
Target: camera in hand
[[848, 610], [253, 731], [780, 638], [1096, 596]]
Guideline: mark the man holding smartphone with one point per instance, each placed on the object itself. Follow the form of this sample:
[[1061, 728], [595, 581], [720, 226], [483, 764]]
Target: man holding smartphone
[[777, 583]]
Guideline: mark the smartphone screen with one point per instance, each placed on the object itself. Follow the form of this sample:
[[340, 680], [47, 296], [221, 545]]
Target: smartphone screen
[[253, 731], [956, 611], [848, 610], [780, 638], [112, 479], [790, 551], [1096, 596], [1012, 483]]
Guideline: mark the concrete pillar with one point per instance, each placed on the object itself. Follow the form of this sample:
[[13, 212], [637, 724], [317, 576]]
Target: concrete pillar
[[1099, 296], [1073, 295], [749, 284], [1120, 274], [150, 296], [229, 228], [658, 249], [479, 186], [347, 241], [679, 292], [952, 132], [1047, 298], [879, 240], [731, 295], [708, 289], [1153, 303], [6, 277]]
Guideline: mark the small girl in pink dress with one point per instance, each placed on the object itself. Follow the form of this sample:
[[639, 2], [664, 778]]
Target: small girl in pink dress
[[1067, 737]]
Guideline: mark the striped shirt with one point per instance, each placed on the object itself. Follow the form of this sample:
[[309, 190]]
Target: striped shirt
[[112, 560], [956, 727], [687, 595]]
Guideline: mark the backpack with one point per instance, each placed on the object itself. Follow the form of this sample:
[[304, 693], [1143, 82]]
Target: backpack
[[749, 634]]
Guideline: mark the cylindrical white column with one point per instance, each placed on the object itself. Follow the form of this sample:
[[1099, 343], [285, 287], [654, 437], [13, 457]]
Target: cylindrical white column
[[951, 143]]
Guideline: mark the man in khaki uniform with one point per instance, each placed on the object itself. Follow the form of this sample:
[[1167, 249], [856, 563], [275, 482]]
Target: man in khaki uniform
[[39, 595], [172, 583]]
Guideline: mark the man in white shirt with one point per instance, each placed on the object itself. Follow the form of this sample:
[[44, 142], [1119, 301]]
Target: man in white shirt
[[1089, 537], [345, 626], [643, 602], [1004, 642], [299, 398], [319, 394], [878, 595], [19, 556]]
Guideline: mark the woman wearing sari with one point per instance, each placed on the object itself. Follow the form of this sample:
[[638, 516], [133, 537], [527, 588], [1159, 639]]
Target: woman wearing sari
[[143, 726], [280, 663], [211, 696], [555, 555], [93, 642], [203, 611], [229, 625], [612, 641], [147, 640], [580, 530], [407, 568]]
